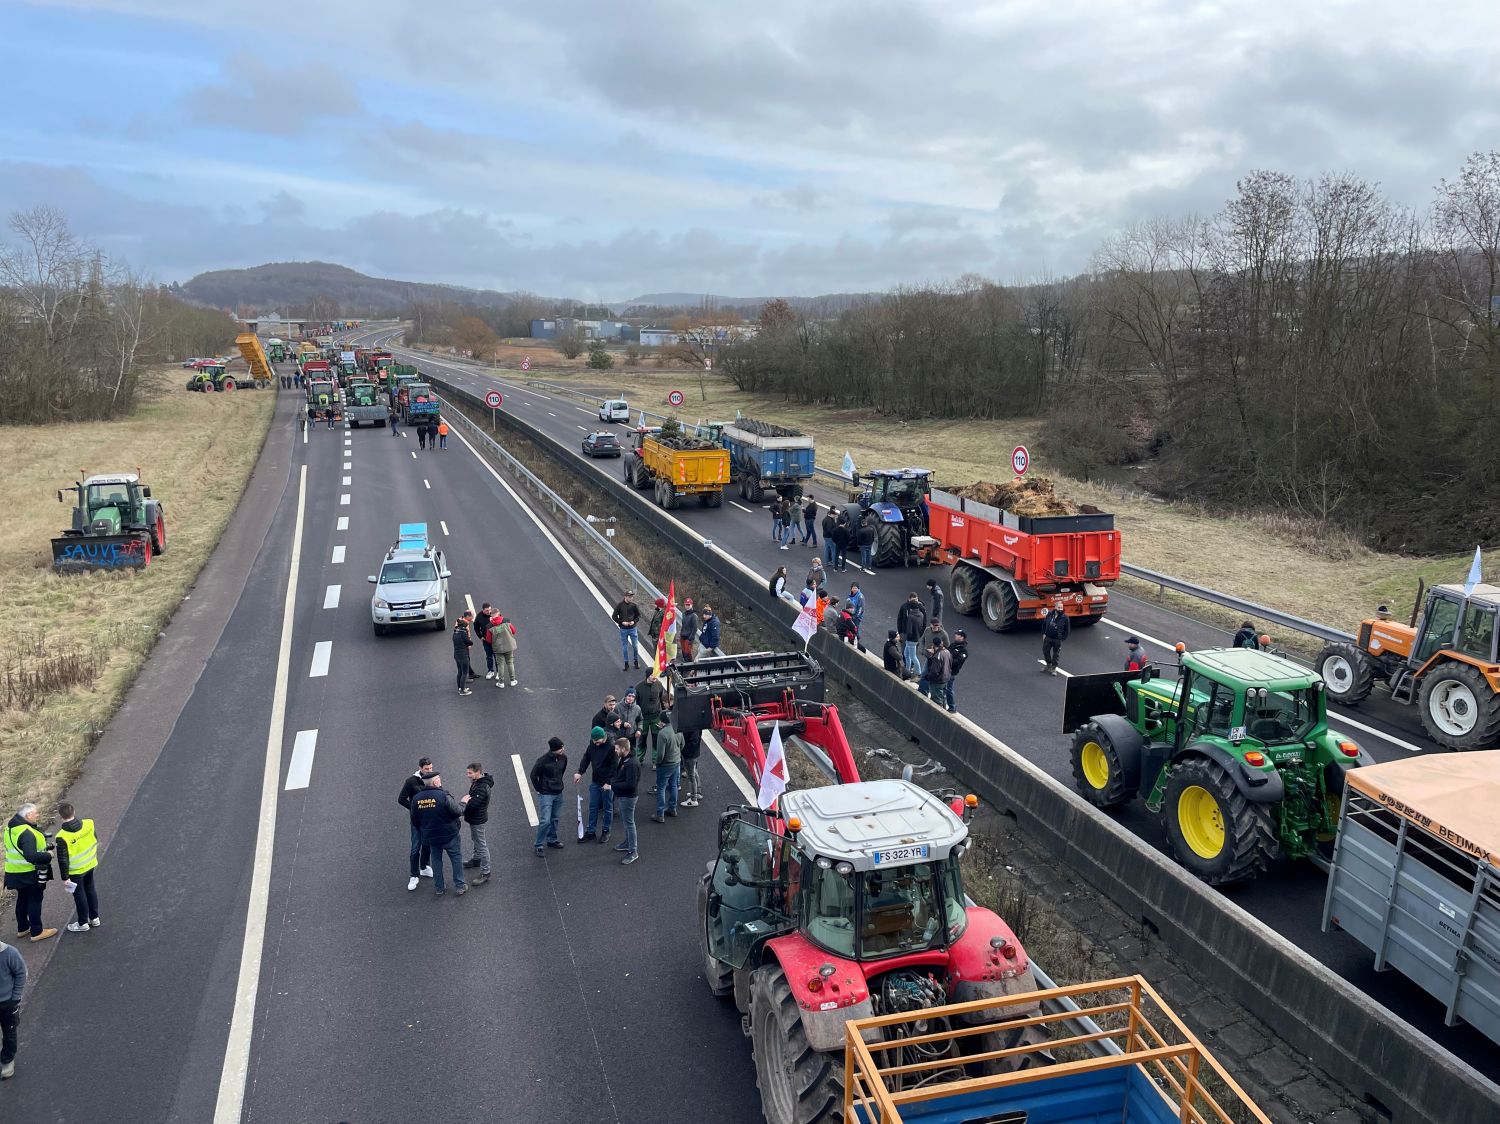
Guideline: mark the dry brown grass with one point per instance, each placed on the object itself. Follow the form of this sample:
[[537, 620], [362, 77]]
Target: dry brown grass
[[72, 645], [1282, 562]]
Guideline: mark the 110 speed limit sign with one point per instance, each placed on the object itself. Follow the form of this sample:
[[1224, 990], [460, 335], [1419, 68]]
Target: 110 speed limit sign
[[1020, 460], [493, 399], [675, 398]]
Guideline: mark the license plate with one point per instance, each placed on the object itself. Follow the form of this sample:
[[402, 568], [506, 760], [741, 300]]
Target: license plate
[[405, 616], [900, 854]]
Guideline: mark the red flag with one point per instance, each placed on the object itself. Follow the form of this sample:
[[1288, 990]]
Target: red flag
[[668, 624]]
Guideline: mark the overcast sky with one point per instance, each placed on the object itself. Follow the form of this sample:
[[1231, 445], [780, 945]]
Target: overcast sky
[[598, 148]]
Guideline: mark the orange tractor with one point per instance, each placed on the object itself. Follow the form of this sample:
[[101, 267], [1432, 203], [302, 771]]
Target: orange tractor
[[1444, 659]]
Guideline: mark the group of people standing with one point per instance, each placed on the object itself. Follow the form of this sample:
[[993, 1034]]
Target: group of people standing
[[29, 855], [840, 533], [432, 433], [693, 632], [435, 817], [497, 635]]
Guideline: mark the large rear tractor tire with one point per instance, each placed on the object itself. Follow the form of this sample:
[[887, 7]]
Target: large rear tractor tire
[[798, 1085], [1215, 832], [1008, 1038], [1348, 674], [159, 535], [229, 384], [1097, 771], [1459, 708], [965, 589], [890, 545], [718, 975], [998, 606]]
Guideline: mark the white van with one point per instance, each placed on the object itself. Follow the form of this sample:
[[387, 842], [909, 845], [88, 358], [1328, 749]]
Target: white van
[[614, 410]]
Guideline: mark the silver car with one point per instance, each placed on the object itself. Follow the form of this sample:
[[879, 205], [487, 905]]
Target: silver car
[[411, 589]]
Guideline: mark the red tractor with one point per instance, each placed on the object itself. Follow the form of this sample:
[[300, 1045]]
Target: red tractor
[[844, 902]]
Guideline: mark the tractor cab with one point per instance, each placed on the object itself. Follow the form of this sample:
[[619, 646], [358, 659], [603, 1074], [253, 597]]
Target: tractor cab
[[895, 490], [110, 503], [864, 871], [1453, 621]]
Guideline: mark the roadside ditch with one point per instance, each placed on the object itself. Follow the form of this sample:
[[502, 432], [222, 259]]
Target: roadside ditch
[[1074, 932]]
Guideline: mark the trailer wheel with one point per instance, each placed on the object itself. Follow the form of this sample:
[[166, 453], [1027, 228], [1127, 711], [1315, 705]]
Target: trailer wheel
[[1215, 832], [716, 499], [1459, 708], [798, 1085], [756, 492], [1087, 621], [1348, 673], [998, 606], [672, 498], [965, 589], [890, 545], [1097, 771]]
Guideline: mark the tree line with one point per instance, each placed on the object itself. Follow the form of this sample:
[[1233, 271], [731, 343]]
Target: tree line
[[1313, 348], [77, 329]]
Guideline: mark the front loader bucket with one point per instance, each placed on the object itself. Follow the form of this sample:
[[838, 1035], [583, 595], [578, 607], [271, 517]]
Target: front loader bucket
[[74, 554], [1087, 695]]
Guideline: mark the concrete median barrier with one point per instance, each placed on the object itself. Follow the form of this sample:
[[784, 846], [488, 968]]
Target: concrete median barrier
[[1378, 1056]]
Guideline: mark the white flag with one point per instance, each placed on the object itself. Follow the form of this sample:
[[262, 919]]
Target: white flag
[[848, 465], [642, 422], [773, 779], [806, 624], [580, 815], [1476, 575]]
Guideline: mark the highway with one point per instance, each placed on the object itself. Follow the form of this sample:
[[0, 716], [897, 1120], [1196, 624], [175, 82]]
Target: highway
[[264, 857], [1001, 688]]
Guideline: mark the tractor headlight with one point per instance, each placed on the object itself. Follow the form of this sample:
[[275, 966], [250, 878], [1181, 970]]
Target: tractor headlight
[[824, 863], [845, 868]]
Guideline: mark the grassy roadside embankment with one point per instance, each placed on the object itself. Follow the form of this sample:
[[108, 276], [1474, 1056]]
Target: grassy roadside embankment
[[1321, 574], [72, 645]]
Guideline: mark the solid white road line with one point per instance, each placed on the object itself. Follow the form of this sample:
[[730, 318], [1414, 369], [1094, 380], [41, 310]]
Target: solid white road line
[[426, 483], [231, 1099], [741, 506], [331, 596], [443, 525], [515, 760], [346, 480], [343, 524], [338, 556], [299, 772], [740, 780], [322, 653], [344, 500]]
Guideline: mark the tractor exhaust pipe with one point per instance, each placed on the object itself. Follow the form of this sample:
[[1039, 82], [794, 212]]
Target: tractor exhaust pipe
[[1416, 608]]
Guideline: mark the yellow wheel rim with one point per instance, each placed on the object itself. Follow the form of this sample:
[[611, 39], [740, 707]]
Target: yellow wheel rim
[[1201, 822], [1095, 765]]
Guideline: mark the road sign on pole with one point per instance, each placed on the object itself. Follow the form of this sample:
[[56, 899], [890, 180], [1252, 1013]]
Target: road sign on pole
[[675, 398], [526, 363], [493, 399], [1020, 460], [708, 364]]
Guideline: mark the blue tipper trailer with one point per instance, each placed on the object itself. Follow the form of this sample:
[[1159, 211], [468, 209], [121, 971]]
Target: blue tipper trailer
[[1110, 1051], [765, 457]]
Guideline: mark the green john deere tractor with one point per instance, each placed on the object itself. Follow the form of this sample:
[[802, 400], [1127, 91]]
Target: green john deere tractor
[[1236, 756]]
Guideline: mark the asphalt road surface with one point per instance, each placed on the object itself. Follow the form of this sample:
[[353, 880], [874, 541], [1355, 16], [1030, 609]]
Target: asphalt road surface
[[567, 988], [1002, 689]]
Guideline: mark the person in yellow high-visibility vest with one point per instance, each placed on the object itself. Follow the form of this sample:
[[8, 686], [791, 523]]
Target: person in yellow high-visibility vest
[[77, 848], [28, 866]]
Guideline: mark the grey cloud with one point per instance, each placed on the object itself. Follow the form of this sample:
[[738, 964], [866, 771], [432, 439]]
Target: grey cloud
[[257, 98]]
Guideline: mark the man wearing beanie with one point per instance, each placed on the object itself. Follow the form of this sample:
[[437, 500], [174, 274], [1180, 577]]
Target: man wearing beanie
[[600, 764], [895, 662], [547, 775]]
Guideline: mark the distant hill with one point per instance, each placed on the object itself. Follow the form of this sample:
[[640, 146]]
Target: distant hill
[[826, 305], [290, 287]]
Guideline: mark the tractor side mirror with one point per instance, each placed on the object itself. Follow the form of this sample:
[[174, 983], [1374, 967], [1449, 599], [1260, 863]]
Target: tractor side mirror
[[59, 496], [146, 492], [1148, 673]]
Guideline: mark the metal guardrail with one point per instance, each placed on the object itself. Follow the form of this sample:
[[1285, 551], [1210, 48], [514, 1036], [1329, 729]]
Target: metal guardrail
[[1238, 604], [560, 506], [1276, 617]]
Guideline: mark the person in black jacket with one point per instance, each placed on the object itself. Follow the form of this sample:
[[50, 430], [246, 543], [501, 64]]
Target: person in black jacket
[[935, 592], [462, 642], [1246, 637], [547, 775], [627, 616], [477, 815], [421, 858], [891, 654], [911, 623], [599, 761], [624, 787], [482, 631], [438, 815], [1055, 629], [958, 654], [864, 538]]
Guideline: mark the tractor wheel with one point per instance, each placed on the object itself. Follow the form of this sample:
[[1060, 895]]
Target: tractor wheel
[[1096, 768], [998, 606], [890, 545], [627, 470], [719, 975], [1008, 1038], [1215, 832], [1459, 708], [229, 384], [965, 589], [1348, 673], [159, 535], [798, 1085]]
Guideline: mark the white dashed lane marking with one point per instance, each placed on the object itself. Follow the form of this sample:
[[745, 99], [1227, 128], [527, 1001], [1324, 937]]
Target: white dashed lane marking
[[299, 772], [322, 653], [344, 500], [338, 555], [343, 523], [443, 525], [331, 596], [347, 480], [426, 483]]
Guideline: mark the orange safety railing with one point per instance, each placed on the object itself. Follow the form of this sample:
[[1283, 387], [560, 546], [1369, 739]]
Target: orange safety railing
[[1161, 1048]]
